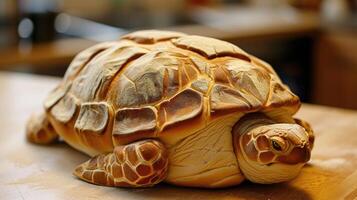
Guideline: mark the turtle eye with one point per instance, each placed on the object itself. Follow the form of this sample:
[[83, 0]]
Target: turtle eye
[[276, 146]]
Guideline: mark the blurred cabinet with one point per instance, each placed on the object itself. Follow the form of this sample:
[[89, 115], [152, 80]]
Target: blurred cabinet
[[8, 17], [335, 73]]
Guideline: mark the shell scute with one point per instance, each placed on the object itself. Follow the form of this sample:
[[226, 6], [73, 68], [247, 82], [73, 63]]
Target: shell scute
[[94, 80], [152, 36], [186, 105], [93, 117], [209, 47], [65, 109], [129, 121]]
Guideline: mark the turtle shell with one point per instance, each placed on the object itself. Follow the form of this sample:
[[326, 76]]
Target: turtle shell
[[154, 83]]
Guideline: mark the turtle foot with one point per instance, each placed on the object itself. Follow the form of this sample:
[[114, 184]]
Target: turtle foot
[[40, 131], [140, 164]]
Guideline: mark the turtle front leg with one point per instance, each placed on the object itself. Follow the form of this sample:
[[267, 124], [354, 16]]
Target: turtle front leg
[[40, 131], [140, 164]]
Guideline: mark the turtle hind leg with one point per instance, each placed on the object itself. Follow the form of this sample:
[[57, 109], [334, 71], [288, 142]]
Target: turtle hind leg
[[140, 164], [40, 131]]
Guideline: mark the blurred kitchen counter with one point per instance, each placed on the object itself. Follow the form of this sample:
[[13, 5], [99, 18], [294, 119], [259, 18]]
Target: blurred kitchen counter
[[31, 171], [43, 55], [233, 27], [233, 23]]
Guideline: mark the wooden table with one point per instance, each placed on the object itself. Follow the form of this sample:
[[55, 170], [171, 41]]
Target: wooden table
[[30, 171]]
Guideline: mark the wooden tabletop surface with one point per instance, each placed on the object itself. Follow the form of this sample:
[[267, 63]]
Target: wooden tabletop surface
[[30, 171]]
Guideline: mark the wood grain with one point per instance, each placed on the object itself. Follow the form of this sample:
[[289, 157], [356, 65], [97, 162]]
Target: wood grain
[[30, 171]]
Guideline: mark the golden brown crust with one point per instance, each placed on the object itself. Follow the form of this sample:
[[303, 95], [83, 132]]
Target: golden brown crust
[[152, 36], [209, 47], [269, 151], [186, 105], [308, 129], [132, 124], [201, 84], [54, 96], [65, 109], [211, 79], [129, 121], [39, 130], [140, 164], [94, 80], [93, 117], [88, 141], [83, 58], [226, 98]]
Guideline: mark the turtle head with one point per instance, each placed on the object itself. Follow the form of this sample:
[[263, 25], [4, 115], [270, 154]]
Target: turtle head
[[270, 152]]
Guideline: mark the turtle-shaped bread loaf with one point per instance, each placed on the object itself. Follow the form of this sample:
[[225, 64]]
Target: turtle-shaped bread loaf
[[184, 109]]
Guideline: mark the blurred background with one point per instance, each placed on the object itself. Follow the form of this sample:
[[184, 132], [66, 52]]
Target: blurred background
[[312, 44]]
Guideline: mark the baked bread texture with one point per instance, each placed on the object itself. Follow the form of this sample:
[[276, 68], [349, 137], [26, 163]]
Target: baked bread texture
[[165, 106]]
